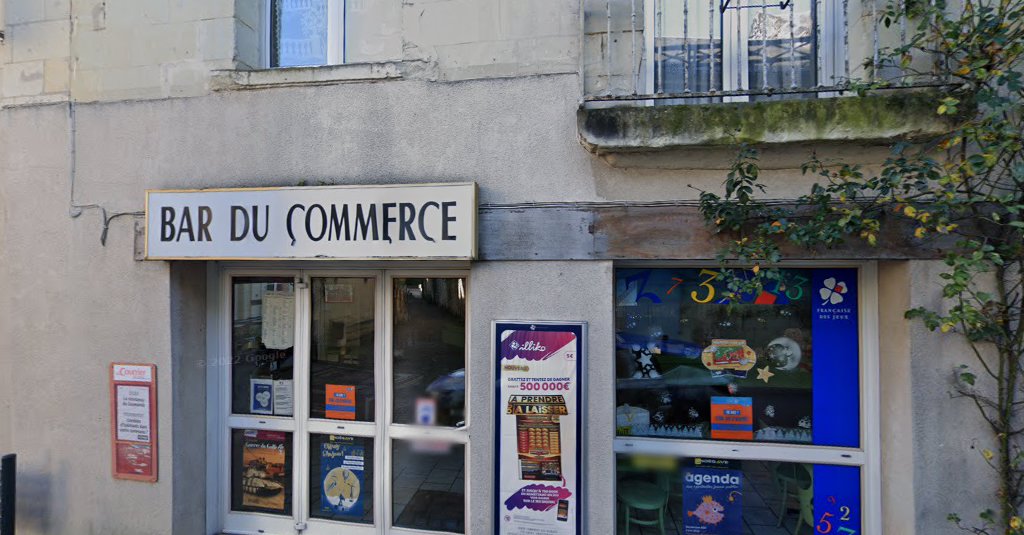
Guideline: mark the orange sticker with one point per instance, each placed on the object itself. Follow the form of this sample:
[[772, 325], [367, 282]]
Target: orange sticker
[[341, 402]]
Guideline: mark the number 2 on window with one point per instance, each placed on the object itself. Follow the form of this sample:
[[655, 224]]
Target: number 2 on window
[[706, 284]]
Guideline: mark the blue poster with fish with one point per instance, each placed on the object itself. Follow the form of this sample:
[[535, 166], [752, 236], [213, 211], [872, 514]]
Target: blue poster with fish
[[712, 498], [342, 462]]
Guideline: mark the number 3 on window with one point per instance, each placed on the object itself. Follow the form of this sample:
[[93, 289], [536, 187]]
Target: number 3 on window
[[706, 284]]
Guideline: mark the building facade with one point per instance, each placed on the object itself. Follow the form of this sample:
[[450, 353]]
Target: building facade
[[360, 385]]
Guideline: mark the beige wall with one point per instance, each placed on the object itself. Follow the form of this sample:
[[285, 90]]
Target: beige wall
[[106, 50]]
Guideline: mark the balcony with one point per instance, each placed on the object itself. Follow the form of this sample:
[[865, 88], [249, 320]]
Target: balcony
[[672, 75]]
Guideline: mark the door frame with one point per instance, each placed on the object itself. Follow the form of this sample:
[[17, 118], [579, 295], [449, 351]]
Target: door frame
[[383, 431]]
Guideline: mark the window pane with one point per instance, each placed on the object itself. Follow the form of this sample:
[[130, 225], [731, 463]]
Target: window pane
[[342, 349], [261, 471], [341, 478], [790, 55], [686, 46], [428, 487], [299, 34], [735, 497], [777, 367], [262, 340], [429, 348]]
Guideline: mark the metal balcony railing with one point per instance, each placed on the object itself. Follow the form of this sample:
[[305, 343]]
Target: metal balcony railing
[[700, 51]]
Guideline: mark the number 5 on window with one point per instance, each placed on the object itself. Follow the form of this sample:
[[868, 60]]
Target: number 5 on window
[[706, 284], [824, 526]]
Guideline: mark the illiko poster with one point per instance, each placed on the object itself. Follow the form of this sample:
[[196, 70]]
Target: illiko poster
[[538, 418]]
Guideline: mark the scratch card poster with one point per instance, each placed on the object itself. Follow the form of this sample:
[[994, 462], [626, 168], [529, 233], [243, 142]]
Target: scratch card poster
[[537, 436]]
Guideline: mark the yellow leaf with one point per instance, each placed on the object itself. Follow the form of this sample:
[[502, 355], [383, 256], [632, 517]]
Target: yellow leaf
[[872, 239], [987, 454], [909, 211], [919, 232], [946, 327], [1015, 522], [756, 268]]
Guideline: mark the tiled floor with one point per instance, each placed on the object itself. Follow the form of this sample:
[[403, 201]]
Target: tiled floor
[[761, 500]]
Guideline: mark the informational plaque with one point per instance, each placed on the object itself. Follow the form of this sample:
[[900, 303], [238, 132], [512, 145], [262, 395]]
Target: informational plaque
[[133, 421], [538, 412]]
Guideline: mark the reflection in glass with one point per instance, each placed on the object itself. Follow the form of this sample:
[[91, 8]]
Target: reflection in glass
[[299, 33], [428, 487], [342, 349], [341, 478], [787, 54], [262, 340], [429, 348], [261, 471], [690, 366], [735, 497]]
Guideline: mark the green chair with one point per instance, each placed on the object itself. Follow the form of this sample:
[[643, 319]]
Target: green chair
[[637, 495], [796, 481]]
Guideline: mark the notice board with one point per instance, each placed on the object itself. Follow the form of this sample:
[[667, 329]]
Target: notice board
[[133, 429]]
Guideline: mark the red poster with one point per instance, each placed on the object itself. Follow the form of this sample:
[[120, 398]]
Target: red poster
[[341, 402], [133, 421]]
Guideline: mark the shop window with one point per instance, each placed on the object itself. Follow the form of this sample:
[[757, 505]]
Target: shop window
[[777, 375], [344, 403]]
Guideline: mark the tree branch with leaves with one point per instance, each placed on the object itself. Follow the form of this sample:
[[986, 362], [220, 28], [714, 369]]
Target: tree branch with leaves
[[964, 188]]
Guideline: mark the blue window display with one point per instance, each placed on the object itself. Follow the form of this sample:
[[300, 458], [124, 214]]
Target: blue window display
[[793, 351]]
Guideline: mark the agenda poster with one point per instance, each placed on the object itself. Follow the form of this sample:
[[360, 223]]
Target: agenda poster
[[538, 413]]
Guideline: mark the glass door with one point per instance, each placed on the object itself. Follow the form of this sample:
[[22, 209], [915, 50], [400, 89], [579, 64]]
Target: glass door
[[345, 402]]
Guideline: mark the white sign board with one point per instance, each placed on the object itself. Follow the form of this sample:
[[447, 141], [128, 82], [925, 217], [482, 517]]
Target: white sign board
[[133, 413], [435, 221]]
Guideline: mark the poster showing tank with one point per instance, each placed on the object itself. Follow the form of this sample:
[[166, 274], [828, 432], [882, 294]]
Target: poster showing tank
[[264, 473], [342, 463], [538, 427], [712, 498]]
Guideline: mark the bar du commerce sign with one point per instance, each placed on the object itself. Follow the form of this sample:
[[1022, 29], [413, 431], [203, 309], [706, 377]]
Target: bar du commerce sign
[[331, 222]]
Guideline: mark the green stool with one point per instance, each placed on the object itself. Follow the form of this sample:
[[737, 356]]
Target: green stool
[[643, 496]]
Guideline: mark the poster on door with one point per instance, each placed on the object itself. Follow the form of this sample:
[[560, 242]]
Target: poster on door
[[342, 462], [538, 433]]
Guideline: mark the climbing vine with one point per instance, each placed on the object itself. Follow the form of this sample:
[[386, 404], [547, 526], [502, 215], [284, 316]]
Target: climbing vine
[[962, 191]]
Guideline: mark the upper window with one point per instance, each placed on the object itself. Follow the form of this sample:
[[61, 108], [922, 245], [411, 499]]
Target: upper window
[[301, 33], [307, 32]]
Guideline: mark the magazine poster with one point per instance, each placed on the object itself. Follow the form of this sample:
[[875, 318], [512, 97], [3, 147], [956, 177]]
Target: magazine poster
[[712, 498], [342, 461], [538, 402], [264, 473]]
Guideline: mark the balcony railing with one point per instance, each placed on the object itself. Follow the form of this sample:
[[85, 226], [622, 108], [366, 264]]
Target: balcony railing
[[703, 51]]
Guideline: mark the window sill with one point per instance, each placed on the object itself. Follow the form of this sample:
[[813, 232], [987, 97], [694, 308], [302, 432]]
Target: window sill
[[229, 80]]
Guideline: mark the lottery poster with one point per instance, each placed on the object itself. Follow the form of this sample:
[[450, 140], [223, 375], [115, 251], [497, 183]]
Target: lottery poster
[[537, 405]]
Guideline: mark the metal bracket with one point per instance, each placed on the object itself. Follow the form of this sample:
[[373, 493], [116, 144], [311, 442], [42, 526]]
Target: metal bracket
[[140, 239]]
